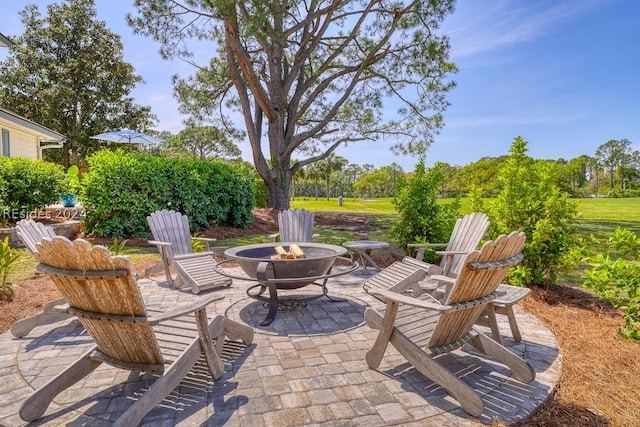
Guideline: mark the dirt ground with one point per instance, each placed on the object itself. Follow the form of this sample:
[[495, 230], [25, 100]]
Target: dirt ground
[[598, 385]]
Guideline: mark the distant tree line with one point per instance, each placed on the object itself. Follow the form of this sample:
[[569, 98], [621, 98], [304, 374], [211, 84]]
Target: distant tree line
[[612, 171]]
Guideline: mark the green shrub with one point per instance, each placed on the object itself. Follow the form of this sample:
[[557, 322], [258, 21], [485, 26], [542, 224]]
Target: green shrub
[[617, 280], [9, 257], [119, 247], [618, 193], [121, 190], [529, 201], [259, 187], [26, 185], [421, 218]]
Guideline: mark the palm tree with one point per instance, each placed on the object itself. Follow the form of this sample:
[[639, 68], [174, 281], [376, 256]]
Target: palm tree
[[330, 164]]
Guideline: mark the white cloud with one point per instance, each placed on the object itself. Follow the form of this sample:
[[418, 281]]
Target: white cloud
[[487, 29]]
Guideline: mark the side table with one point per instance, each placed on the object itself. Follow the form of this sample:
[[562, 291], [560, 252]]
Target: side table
[[363, 249]]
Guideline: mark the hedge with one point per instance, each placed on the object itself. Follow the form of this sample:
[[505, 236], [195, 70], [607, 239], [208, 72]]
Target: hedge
[[27, 185], [122, 189]]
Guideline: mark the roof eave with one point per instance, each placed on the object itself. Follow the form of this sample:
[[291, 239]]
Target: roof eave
[[5, 42], [24, 122]]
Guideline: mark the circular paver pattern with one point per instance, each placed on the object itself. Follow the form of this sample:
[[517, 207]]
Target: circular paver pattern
[[306, 368]]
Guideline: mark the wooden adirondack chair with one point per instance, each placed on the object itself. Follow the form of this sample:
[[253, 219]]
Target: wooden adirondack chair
[[173, 238], [465, 237], [102, 293], [31, 233], [295, 225], [422, 328]]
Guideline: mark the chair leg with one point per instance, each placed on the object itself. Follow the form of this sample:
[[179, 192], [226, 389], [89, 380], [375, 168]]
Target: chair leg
[[161, 387], [520, 368], [154, 269], [469, 400], [490, 312], [513, 324], [22, 327], [238, 331], [385, 327], [205, 333], [36, 404], [430, 368]]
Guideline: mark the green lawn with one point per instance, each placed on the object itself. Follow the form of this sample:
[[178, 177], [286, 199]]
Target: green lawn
[[368, 206], [597, 217]]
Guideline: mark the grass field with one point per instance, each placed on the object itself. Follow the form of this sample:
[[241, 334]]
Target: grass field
[[620, 211], [597, 217]]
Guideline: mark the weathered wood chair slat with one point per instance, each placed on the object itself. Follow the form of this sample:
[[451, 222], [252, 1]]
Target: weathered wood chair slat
[[295, 225], [421, 328], [31, 233], [102, 292], [172, 236], [465, 237]]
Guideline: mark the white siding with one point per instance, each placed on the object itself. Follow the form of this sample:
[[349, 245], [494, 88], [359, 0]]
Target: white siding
[[22, 144]]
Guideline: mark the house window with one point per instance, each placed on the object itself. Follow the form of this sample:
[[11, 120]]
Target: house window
[[5, 143]]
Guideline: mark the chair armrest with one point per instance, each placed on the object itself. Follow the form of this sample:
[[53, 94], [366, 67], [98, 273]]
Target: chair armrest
[[422, 248], [194, 255], [158, 243], [405, 299], [452, 252], [445, 279], [169, 314], [205, 239], [448, 258], [422, 245], [182, 310]]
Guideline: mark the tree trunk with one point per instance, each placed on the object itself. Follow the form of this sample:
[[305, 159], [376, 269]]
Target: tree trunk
[[278, 190]]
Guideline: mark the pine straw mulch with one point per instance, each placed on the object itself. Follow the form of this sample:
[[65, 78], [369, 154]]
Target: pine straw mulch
[[600, 371], [599, 381]]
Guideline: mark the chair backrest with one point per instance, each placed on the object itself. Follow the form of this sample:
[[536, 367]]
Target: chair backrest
[[295, 225], [465, 237], [32, 232], [480, 276], [171, 227], [102, 292]]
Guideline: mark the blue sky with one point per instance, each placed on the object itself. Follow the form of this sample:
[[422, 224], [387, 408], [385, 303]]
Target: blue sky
[[562, 74]]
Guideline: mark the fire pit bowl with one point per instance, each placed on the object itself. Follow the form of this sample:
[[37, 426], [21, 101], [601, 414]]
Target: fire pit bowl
[[319, 259]]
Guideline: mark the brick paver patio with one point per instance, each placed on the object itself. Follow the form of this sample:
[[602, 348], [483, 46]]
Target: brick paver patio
[[306, 368]]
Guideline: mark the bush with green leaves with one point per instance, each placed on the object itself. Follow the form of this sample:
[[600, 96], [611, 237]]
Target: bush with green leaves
[[259, 187], [121, 190], [421, 218], [26, 185], [9, 257], [530, 201], [615, 276]]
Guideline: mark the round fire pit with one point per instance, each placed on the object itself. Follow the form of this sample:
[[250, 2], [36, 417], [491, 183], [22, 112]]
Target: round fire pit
[[319, 259], [286, 274]]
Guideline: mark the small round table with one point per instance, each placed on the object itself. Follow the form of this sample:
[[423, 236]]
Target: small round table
[[363, 249]]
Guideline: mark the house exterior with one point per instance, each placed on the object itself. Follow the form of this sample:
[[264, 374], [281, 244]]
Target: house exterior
[[20, 137], [5, 42], [23, 138]]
